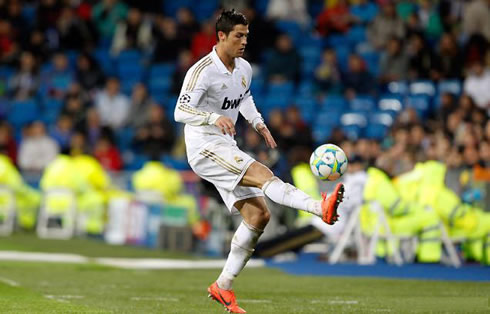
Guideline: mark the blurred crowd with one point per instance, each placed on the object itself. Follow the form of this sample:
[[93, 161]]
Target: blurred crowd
[[101, 78]]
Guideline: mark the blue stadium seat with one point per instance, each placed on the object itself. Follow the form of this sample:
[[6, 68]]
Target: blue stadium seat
[[310, 52], [362, 103], [391, 102], [204, 10], [421, 104], [261, 6], [306, 88], [321, 134], [343, 52], [449, 86], [356, 35], [273, 101], [124, 137], [353, 124], [174, 163], [292, 29], [105, 61], [336, 40], [135, 161], [159, 86], [22, 112], [398, 87], [161, 69], [423, 87], [170, 7], [282, 89], [379, 123], [372, 61], [335, 103]]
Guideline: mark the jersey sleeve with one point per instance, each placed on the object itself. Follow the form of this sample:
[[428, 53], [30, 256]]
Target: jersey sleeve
[[248, 109], [194, 87]]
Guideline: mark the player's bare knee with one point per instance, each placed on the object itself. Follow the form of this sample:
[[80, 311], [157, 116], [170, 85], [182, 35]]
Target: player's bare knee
[[260, 218]]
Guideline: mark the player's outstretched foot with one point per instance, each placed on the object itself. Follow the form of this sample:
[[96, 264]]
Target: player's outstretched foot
[[330, 204], [225, 297]]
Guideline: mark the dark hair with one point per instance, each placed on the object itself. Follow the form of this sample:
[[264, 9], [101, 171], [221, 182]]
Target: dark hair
[[227, 20]]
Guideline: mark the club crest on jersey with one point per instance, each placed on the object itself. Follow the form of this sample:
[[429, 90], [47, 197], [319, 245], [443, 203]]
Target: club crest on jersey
[[238, 159], [244, 82], [231, 103]]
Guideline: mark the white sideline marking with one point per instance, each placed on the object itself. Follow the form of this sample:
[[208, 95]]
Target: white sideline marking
[[42, 257], [63, 298], [127, 263], [154, 299], [154, 263], [335, 301], [9, 282], [255, 301]]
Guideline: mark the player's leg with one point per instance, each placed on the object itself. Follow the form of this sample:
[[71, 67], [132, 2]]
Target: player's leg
[[255, 218], [258, 175]]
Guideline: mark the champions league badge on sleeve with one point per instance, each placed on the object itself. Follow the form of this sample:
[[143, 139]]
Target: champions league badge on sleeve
[[185, 99]]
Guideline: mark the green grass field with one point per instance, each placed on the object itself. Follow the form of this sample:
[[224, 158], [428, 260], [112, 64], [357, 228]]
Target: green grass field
[[32, 287]]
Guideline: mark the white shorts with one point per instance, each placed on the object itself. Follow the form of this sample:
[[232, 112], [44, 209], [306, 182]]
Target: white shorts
[[224, 165]]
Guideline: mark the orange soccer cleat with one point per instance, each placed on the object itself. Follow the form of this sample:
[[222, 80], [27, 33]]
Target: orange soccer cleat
[[225, 297], [330, 204]]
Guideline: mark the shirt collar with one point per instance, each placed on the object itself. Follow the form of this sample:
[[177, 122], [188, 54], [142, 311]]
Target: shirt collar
[[221, 67]]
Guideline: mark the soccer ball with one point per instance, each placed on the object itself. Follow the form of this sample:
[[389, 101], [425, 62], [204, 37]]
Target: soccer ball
[[328, 162]]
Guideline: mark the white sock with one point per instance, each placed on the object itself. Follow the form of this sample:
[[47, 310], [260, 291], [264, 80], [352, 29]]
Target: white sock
[[242, 248], [288, 195]]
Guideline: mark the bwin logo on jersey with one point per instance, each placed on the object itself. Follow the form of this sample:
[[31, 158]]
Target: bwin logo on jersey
[[231, 103]]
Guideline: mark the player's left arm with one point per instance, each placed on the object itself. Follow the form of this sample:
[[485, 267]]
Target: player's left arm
[[249, 111]]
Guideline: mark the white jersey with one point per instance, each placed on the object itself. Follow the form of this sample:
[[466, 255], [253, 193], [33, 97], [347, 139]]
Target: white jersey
[[209, 91]]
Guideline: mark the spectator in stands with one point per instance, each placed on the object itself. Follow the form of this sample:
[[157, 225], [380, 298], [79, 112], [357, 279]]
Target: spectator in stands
[[14, 15], [38, 46], [485, 154], [394, 62], [357, 80], [449, 61], [430, 19], [477, 85], [8, 147], [302, 136], [421, 58], [78, 144], [185, 61], [9, 47], [47, 14], [107, 154], [263, 32], [62, 132], [275, 125], [57, 80], [112, 105], [139, 112], [336, 19], [165, 35], [203, 41], [25, 83], [255, 147], [106, 14], [133, 33], [93, 128], [288, 10], [37, 149], [327, 74], [157, 136], [384, 26], [72, 32], [89, 74], [187, 26], [284, 62], [476, 18]]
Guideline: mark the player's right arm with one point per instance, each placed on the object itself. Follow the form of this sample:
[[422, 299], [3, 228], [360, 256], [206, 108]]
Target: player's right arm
[[194, 87]]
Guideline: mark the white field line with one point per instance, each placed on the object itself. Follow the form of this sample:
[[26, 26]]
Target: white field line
[[154, 299], [335, 301], [255, 301], [63, 298], [9, 282], [127, 263], [42, 257]]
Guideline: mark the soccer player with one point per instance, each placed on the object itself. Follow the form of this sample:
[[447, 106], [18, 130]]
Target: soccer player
[[214, 91]]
